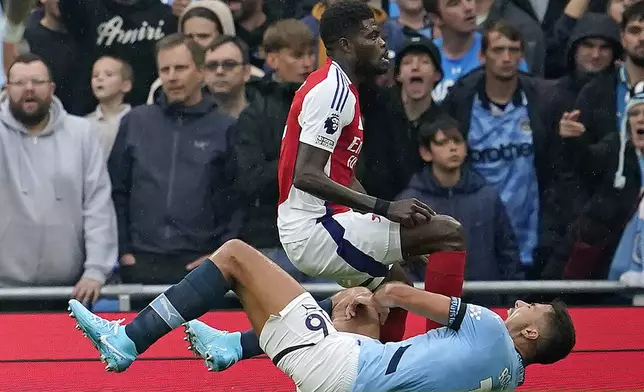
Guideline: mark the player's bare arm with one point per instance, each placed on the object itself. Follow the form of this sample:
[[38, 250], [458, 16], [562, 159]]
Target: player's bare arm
[[310, 177], [356, 185], [429, 305]]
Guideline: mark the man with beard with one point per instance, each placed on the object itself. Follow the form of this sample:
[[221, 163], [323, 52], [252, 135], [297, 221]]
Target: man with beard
[[599, 112], [57, 219], [498, 109]]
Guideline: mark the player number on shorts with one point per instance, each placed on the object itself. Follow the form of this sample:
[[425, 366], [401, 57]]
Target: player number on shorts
[[484, 386], [316, 322]]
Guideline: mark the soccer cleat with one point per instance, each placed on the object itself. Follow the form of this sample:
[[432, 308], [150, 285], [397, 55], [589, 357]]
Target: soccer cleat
[[116, 349], [219, 349]]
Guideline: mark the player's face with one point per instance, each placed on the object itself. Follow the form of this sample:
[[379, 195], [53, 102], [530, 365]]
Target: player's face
[[370, 50], [527, 315], [636, 125], [502, 57]]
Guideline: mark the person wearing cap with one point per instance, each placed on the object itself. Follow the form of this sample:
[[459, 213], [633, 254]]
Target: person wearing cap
[[500, 112], [391, 153], [449, 185]]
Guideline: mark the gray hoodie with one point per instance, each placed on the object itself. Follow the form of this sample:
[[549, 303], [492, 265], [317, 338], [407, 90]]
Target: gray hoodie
[[57, 220]]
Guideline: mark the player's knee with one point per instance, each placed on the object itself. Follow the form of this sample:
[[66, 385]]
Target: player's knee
[[452, 232], [227, 257]]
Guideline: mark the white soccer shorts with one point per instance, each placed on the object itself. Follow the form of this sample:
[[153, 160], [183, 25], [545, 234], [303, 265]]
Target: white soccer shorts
[[351, 248], [303, 343]]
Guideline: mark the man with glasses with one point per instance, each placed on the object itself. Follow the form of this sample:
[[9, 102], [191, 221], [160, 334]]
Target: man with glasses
[[168, 168], [57, 221], [226, 73]]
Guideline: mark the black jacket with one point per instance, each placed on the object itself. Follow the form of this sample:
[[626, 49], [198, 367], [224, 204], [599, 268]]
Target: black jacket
[[105, 27], [459, 103], [170, 182], [389, 156], [257, 139]]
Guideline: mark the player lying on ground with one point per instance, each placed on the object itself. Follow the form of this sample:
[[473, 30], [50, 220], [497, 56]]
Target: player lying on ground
[[319, 196], [301, 340]]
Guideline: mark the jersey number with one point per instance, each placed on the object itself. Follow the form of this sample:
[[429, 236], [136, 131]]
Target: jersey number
[[316, 322], [395, 359], [484, 386]]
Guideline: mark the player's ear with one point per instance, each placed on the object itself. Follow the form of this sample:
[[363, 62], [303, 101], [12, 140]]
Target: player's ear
[[530, 333], [344, 45]]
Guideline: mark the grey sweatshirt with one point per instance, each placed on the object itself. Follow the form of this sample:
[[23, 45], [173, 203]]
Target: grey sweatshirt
[[57, 220]]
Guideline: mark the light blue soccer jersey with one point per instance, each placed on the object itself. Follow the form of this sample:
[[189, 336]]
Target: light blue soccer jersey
[[454, 68], [501, 150], [474, 353]]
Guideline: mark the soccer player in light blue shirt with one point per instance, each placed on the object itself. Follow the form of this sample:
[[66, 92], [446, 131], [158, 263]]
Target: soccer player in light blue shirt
[[475, 351]]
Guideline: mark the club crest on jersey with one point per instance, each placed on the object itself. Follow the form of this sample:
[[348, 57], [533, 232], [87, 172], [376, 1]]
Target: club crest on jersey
[[525, 126], [332, 123]]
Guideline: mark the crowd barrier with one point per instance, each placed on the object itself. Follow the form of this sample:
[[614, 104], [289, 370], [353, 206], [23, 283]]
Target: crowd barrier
[[43, 352], [125, 293]]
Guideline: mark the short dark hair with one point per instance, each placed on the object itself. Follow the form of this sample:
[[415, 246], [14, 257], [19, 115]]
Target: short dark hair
[[229, 39], [559, 337], [505, 29], [28, 58], [343, 19], [428, 129], [201, 12], [432, 7], [634, 12], [177, 39]]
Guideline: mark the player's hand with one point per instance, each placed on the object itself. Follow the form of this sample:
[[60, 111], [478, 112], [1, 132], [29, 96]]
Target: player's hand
[[366, 299], [128, 259], [87, 290], [569, 125], [409, 212]]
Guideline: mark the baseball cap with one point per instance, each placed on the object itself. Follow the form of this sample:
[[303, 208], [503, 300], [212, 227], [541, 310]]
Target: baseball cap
[[423, 45]]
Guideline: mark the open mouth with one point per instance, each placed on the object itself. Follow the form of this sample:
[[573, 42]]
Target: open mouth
[[416, 79]]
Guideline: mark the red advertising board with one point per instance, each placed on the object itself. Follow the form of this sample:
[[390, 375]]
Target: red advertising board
[[43, 352]]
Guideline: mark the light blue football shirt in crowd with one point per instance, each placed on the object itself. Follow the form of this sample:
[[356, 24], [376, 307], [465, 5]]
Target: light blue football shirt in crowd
[[474, 353], [501, 150]]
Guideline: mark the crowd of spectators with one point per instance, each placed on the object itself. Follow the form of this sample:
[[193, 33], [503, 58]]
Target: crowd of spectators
[[136, 136]]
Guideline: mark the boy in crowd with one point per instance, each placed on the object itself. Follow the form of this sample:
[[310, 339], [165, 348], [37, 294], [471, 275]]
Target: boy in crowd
[[111, 81], [451, 187]]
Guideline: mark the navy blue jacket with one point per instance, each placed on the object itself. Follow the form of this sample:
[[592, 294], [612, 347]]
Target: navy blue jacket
[[492, 252], [171, 179]]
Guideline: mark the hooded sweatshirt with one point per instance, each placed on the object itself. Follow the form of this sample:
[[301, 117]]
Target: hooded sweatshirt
[[492, 251], [57, 220]]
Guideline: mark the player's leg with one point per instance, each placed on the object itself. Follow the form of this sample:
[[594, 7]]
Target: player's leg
[[234, 266], [442, 239]]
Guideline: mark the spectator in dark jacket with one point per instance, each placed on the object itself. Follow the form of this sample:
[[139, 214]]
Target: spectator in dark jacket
[[171, 186], [289, 47], [592, 51], [500, 112], [393, 117], [452, 188]]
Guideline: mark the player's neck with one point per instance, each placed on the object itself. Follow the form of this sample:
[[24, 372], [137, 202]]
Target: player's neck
[[349, 70], [446, 178], [456, 44], [500, 91]]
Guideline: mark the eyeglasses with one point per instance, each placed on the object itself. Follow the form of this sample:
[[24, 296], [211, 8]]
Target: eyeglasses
[[24, 83], [227, 65]]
